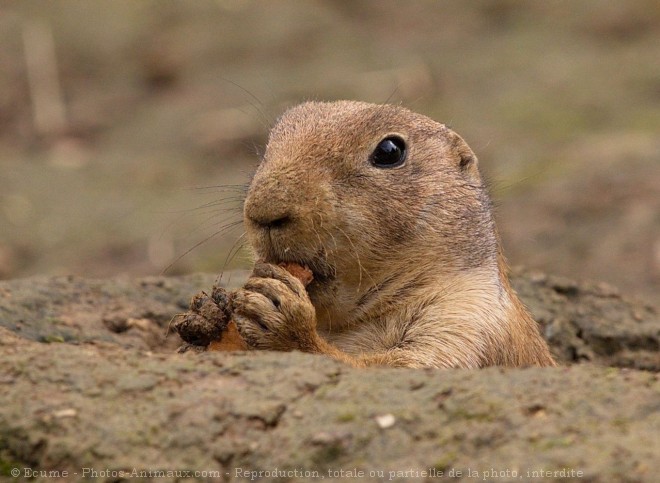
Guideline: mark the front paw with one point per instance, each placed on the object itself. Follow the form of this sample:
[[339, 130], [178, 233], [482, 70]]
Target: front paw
[[273, 311]]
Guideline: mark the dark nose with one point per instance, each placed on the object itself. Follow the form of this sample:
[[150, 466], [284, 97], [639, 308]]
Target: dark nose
[[270, 220], [271, 202]]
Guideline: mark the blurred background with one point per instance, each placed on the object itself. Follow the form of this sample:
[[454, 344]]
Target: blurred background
[[126, 126]]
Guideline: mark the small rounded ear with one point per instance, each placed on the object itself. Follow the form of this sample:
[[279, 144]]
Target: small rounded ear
[[469, 166], [467, 161]]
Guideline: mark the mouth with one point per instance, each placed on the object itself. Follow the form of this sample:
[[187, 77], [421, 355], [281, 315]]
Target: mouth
[[322, 272], [277, 250]]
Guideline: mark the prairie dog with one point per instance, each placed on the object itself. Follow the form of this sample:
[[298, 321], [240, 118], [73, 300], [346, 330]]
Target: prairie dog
[[388, 210]]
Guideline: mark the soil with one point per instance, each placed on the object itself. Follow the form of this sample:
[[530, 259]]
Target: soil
[[90, 383]]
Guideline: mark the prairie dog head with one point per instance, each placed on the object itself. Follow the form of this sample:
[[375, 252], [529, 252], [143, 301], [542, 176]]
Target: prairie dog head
[[364, 194]]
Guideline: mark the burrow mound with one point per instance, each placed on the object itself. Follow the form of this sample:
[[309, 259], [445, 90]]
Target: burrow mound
[[582, 322], [90, 386]]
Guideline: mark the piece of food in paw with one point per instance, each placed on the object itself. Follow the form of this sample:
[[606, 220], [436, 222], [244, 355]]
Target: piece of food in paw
[[208, 324], [230, 339], [303, 274]]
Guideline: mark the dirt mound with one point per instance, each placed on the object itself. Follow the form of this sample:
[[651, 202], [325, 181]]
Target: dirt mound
[[90, 387]]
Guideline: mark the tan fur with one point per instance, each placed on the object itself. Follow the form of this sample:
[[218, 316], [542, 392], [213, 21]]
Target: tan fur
[[407, 261]]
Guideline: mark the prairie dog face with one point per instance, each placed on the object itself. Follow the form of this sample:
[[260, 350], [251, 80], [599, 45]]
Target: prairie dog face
[[361, 192]]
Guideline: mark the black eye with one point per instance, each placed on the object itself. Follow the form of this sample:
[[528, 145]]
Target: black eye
[[390, 153]]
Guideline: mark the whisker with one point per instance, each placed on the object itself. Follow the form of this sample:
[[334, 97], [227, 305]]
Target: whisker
[[216, 202], [221, 222], [219, 205], [357, 257], [259, 107], [360, 266], [200, 243], [500, 186], [318, 236], [235, 248], [389, 98], [218, 187], [212, 212]]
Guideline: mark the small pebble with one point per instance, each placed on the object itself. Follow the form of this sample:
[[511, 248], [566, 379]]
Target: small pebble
[[65, 413], [385, 421]]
